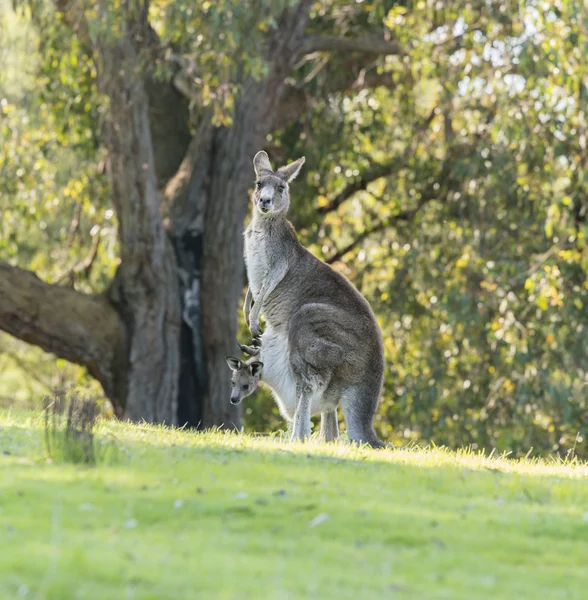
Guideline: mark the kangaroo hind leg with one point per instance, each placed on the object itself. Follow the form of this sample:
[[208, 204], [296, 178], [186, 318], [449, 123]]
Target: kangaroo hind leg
[[301, 428], [309, 387], [329, 425]]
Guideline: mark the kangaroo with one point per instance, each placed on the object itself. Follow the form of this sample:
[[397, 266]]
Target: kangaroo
[[247, 375], [245, 379], [322, 345]]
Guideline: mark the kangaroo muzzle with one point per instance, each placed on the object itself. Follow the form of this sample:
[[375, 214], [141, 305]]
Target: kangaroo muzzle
[[265, 204], [235, 399]]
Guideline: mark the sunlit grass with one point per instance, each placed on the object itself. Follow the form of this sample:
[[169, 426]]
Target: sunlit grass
[[223, 515]]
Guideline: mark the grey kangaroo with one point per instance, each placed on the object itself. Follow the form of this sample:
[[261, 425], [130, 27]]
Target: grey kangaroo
[[246, 376], [322, 344]]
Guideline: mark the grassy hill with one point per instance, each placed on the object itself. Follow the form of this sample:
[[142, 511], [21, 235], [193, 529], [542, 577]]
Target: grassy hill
[[191, 515]]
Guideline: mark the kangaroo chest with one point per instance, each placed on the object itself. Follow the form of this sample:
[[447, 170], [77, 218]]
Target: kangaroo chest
[[278, 376], [256, 259], [277, 373]]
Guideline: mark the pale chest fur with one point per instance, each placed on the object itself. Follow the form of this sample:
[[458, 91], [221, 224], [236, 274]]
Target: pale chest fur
[[277, 373], [256, 259]]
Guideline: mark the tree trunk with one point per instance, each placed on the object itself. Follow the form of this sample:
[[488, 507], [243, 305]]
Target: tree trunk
[[145, 287], [158, 337]]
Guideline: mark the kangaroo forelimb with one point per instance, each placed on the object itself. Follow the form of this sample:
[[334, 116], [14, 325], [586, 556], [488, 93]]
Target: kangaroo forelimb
[[272, 280], [247, 306], [250, 350]]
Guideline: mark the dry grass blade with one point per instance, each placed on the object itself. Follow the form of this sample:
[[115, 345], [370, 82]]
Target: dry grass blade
[[70, 438]]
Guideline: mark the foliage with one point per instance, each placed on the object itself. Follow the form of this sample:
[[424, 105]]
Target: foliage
[[448, 182], [54, 197], [187, 508]]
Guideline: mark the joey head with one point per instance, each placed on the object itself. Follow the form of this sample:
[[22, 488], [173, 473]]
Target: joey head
[[245, 378]]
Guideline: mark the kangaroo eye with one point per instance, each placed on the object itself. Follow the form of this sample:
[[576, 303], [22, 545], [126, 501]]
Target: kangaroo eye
[[280, 188], [258, 185], [245, 388]]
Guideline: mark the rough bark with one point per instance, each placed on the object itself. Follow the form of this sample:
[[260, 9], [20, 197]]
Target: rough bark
[[64, 322], [145, 287]]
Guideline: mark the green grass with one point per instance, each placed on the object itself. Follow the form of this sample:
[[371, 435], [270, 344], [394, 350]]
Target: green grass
[[192, 515]]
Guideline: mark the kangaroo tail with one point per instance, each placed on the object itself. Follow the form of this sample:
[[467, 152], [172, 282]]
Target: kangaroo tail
[[359, 408], [370, 438], [375, 441]]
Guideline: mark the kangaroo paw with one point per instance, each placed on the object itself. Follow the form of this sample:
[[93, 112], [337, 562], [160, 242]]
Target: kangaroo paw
[[251, 350]]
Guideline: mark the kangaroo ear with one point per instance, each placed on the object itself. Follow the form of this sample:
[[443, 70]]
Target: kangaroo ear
[[234, 363], [290, 171], [255, 368], [261, 162]]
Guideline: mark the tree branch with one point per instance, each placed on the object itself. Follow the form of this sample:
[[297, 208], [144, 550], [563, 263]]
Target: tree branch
[[85, 266], [377, 171], [355, 186], [431, 192], [366, 45], [297, 100], [380, 225], [80, 328]]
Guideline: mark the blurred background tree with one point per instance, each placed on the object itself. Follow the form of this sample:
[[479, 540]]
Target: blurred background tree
[[446, 147]]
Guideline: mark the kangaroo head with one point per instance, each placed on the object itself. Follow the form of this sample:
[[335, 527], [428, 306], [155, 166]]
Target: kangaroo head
[[271, 194], [245, 379]]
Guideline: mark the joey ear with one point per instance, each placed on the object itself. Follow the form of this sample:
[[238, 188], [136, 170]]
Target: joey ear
[[290, 171], [255, 368], [261, 162], [234, 363]]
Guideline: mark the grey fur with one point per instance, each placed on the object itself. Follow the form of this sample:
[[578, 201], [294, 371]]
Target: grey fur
[[246, 376], [322, 344]]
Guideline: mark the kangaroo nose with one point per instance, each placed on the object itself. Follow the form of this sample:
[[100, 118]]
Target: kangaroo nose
[[235, 400], [264, 203]]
